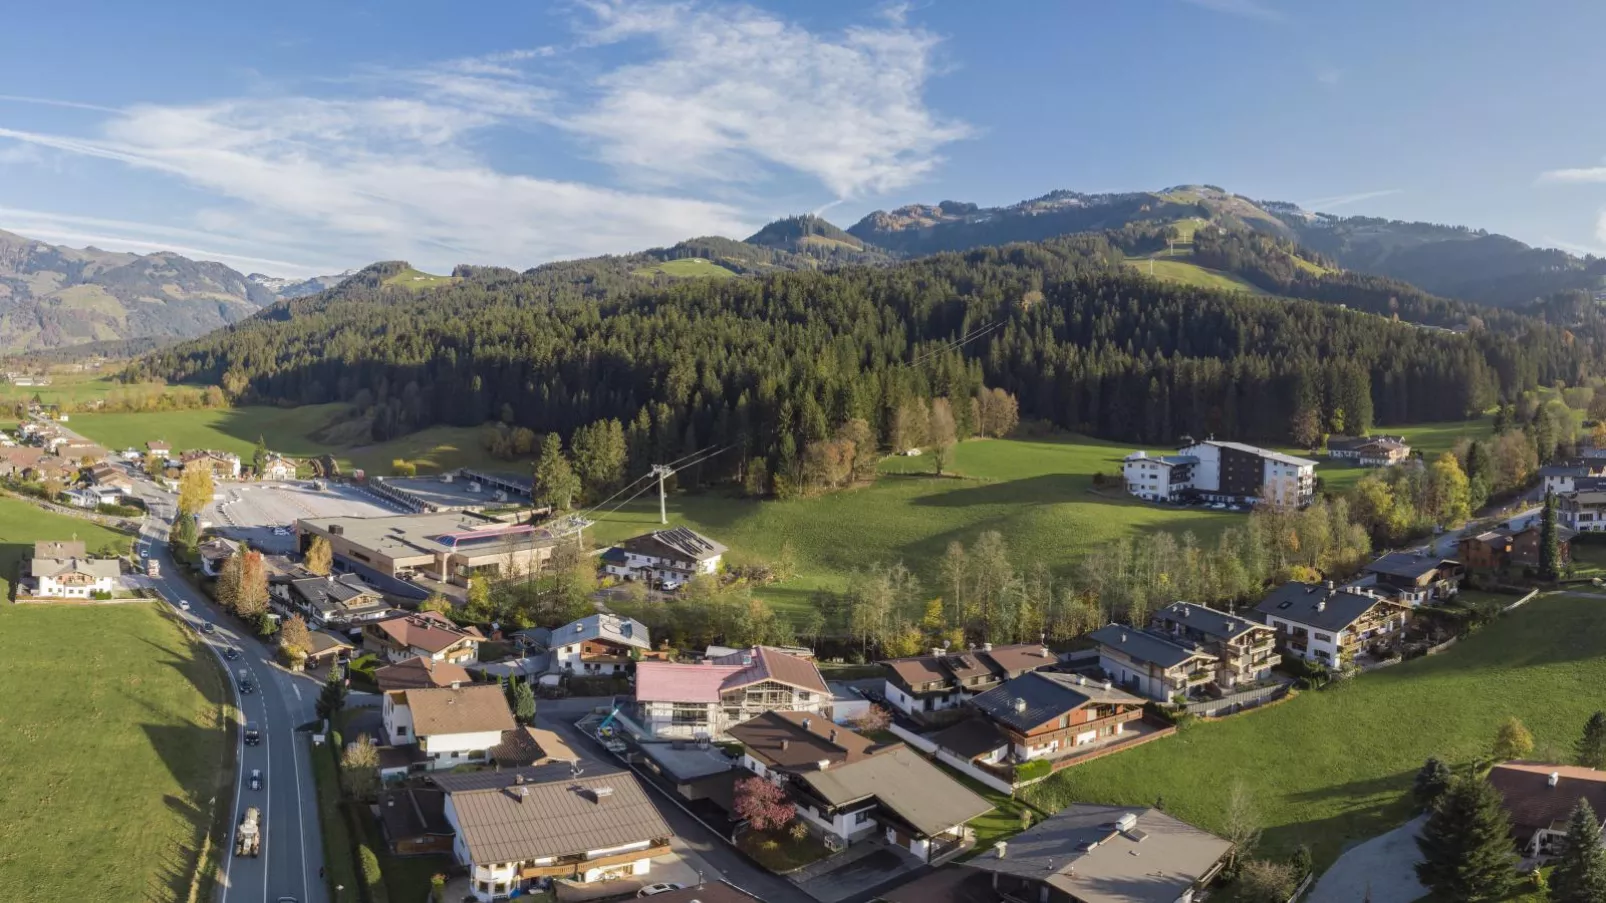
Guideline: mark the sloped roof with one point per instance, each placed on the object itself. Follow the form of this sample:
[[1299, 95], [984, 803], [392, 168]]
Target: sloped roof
[[99, 568], [1209, 621], [970, 738], [459, 710], [338, 594], [1145, 647], [413, 812], [799, 741], [1317, 605], [902, 781], [70, 548], [426, 630], [1533, 804], [998, 661], [552, 813], [673, 682], [604, 627], [1409, 565], [1038, 697], [766, 663], [678, 543], [419, 673], [1079, 852]]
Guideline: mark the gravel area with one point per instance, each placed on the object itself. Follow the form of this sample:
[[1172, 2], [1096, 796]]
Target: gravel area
[[1385, 865]]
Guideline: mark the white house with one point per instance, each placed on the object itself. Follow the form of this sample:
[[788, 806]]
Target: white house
[[923, 684], [278, 468], [63, 570], [1323, 623], [684, 701], [665, 557], [597, 644], [1244, 474], [1160, 478], [93, 496], [447, 726], [426, 633], [521, 829]]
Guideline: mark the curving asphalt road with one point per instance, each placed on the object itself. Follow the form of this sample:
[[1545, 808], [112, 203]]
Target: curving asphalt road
[[292, 845]]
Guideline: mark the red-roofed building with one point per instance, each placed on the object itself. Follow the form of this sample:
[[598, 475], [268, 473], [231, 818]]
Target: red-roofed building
[[428, 634], [702, 700]]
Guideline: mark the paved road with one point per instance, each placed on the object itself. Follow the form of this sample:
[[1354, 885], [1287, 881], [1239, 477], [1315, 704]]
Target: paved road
[[292, 846], [1381, 870]]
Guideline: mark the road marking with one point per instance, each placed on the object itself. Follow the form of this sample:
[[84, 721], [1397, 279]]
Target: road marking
[[301, 818]]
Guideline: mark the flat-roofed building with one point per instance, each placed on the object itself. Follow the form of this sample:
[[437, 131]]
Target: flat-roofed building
[[449, 546]]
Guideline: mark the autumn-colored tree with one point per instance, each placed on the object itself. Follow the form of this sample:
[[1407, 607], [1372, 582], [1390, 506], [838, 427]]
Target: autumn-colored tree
[[1512, 741], [295, 635], [320, 557], [195, 487], [437, 602], [942, 434], [764, 805], [875, 718], [359, 767], [251, 596]]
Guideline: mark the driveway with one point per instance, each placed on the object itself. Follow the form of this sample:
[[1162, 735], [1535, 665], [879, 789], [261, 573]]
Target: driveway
[[1381, 870], [865, 865]]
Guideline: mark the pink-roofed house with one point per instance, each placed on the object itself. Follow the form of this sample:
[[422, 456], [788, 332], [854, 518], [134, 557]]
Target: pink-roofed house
[[680, 701]]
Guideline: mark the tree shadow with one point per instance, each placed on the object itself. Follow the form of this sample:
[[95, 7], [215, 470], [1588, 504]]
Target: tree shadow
[[1047, 489]]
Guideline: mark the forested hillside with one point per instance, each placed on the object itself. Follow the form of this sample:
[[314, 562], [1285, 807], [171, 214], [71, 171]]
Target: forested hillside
[[772, 364]]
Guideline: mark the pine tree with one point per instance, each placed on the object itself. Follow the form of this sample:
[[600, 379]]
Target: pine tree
[[333, 697], [1591, 750], [1549, 541], [1580, 874], [184, 533], [523, 702], [1466, 844], [1431, 782]]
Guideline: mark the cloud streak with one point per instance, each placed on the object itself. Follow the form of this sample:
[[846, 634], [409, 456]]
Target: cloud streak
[[723, 103], [1246, 9], [1342, 200], [1576, 176]]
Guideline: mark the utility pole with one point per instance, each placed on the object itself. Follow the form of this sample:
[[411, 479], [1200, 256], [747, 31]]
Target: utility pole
[[661, 471]]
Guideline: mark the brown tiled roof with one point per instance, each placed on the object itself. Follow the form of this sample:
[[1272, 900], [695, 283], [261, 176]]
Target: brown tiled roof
[[460, 710], [798, 741], [535, 813], [764, 663], [1016, 660], [1533, 804], [916, 671], [428, 631], [525, 746], [419, 672], [999, 661]]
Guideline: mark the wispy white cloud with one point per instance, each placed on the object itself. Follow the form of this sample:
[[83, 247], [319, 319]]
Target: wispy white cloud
[[1340, 200], [1597, 250], [53, 102], [1248, 9], [716, 104], [733, 91], [1573, 176]]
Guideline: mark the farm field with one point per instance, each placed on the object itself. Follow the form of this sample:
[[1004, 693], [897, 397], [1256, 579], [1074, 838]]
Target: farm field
[[235, 430], [1333, 767], [686, 268], [1432, 439], [72, 387], [22, 524], [1034, 492], [111, 727], [411, 278]]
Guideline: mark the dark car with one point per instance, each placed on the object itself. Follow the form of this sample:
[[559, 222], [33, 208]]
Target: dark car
[[208, 627], [246, 686], [231, 653], [253, 734]]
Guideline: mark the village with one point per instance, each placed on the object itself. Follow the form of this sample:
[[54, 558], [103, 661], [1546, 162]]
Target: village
[[900, 779]]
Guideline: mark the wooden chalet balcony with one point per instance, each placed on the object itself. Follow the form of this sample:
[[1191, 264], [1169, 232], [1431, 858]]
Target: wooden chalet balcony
[[573, 865]]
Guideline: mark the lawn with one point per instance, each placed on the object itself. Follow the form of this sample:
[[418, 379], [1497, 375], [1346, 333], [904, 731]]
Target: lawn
[[235, 430], [1431, 439], [1333, 767], [23, 523], [1035, 492], [411, 278], [73, 387], [1186, 273], [111, 728], [685, 268]]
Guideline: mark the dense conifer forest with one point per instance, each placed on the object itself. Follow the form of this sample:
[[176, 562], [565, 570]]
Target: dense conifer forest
[[772, 363]]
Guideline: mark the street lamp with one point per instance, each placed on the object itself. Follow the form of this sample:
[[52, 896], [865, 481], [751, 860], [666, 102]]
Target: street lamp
[[338, 889]]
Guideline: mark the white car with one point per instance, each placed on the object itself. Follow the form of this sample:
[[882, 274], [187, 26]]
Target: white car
[[183, 605], [653, 890]]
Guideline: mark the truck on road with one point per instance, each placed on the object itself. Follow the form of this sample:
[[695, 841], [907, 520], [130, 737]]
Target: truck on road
[[153, 568], [248, 838]]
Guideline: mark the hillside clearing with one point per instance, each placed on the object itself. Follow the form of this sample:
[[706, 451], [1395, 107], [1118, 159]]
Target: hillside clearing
[[1333, 767], [1181, 271], [684, 268], [286, 430], [111, 728], [411, 278]]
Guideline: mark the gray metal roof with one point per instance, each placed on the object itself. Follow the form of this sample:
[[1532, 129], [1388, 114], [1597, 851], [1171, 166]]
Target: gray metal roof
[[551, 813], [1145, 647], [1317, 605], [1081, 853], [1409, 565], [603, 627], [1037, 697], [1261, 452], [903, 782], [1208, 621]]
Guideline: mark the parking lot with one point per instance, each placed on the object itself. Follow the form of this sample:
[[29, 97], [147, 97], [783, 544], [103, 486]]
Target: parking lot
[[250, 512]]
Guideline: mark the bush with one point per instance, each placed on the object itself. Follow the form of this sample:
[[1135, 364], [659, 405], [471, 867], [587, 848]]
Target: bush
[[1262, 881], [1031, 771]]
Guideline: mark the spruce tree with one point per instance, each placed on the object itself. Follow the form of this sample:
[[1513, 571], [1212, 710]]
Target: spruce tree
[[1580, 874], [333, 697], [523, 702], [1466, 844], [1549, 542], [1431, 781], [1591, 750]]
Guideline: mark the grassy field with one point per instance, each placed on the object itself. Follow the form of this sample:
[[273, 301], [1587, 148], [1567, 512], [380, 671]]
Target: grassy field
[[1330, 768], [411, 278], [224, 429], [686, 268], [22, 524], [111, 731], [1186, 273], [1036, 493], [71, 387], [1431, 439]]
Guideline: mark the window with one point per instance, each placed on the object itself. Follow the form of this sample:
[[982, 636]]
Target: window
[[860, 818], [401, 730], [1324, 638], [1065, 721], [686, 713]]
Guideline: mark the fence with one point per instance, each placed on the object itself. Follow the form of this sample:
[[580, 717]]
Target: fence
[[1237, 702], [1521, 602]]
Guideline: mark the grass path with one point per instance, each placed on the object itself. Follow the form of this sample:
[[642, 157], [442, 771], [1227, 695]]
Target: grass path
[[1333, 767], [112, 741]]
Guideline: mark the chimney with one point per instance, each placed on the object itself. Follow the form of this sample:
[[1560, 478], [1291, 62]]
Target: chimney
[[833, 735], [986, 647], [518, 779], [1108, 685], [1020, 704], [785, 743], [805, 723], [524, 793], [1000, 847], [1321, 605], [1329, 584], [1123, 636], [937, 653], [1185, 611], [1555, 778]]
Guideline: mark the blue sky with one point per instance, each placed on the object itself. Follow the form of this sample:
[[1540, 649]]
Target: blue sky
[[309, 136]]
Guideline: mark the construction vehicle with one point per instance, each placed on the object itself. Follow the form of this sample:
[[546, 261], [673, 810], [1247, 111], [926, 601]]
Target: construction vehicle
[[248, 839]]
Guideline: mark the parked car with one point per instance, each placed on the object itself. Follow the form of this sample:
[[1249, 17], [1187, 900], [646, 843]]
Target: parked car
[[256, 779], [653, 890]]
